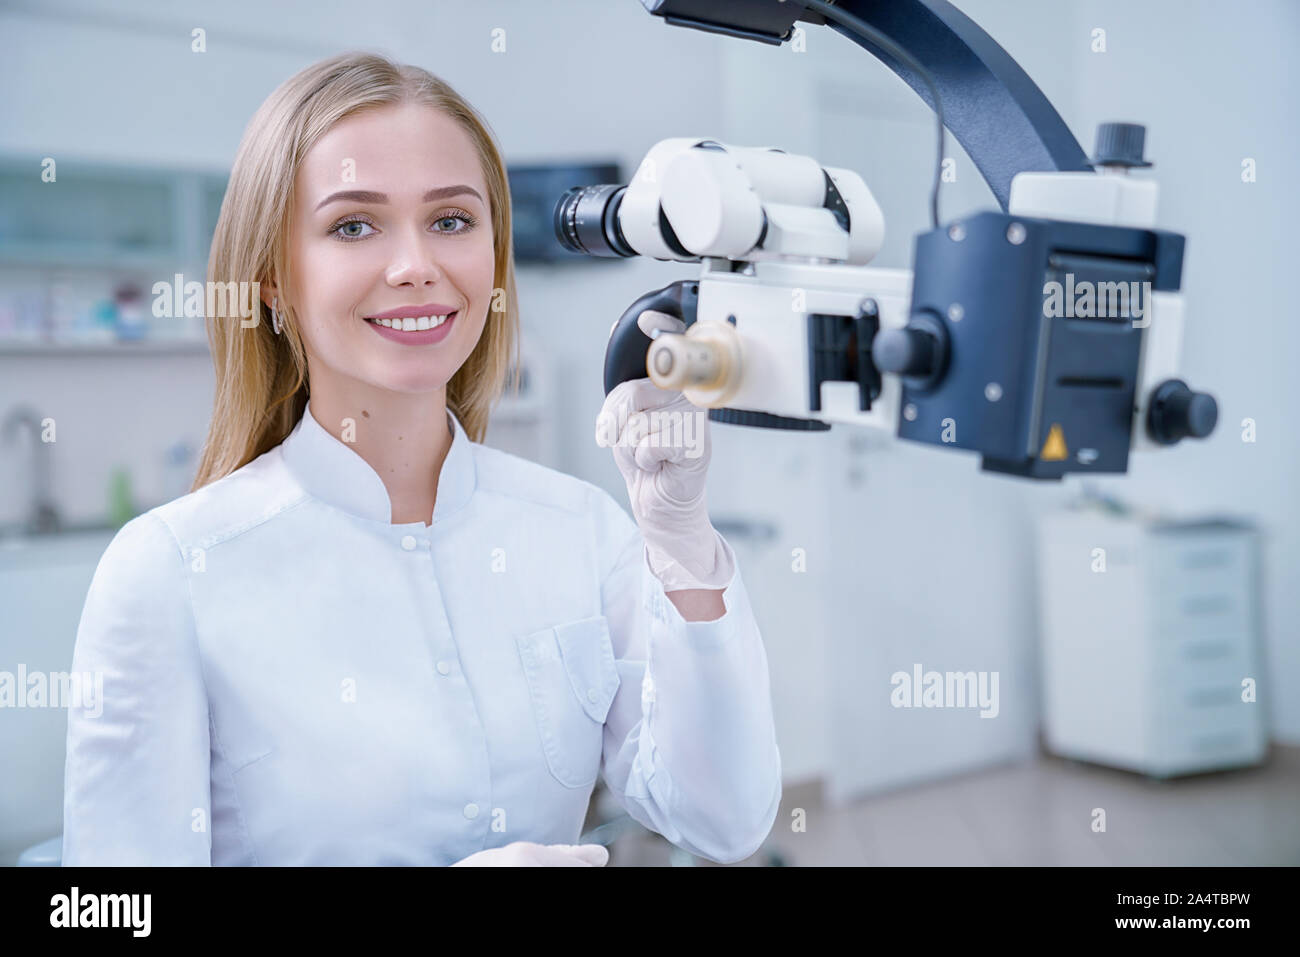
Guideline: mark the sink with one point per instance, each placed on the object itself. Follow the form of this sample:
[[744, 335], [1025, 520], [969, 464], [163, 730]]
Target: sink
[[43, 584]]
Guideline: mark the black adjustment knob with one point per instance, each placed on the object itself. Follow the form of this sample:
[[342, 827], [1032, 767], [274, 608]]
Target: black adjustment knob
[[1120, 144], [918, 352], [1177, 413], [907, 351]]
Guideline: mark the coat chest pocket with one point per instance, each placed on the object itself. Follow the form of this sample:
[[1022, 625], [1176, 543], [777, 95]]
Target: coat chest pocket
[[572, 678]]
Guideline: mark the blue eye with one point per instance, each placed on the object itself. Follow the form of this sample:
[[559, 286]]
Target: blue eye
[[337, 229], [469, 221]]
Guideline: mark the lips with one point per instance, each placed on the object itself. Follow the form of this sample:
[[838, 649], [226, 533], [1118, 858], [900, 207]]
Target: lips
[[396, 330]]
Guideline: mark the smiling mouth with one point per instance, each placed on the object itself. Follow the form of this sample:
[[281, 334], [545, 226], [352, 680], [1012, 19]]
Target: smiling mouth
[[413, 325]]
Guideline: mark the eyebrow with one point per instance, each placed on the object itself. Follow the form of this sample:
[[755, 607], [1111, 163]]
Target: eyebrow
[[367, 196]]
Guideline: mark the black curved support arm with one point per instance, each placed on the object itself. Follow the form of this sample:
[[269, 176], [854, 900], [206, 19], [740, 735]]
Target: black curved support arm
[[997, 113]]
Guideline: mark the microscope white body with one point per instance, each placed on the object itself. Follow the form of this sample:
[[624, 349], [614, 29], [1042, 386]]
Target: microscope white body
[[716, 199]]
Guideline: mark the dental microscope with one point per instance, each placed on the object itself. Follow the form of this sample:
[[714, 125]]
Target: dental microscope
[[1045, 335]]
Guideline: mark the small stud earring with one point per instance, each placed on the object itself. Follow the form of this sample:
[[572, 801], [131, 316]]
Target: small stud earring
[[275, 319]]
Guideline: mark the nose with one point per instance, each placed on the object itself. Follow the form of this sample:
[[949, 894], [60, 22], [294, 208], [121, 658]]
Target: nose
[[414, 261]]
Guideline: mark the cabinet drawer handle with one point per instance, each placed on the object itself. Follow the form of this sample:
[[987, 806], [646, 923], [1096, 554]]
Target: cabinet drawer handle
[[1207, 605], [1206, 558], [1207, 650], [1211, 697], [1219, 741]]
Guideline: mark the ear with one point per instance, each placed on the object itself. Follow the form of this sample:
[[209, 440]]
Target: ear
[[268, 291]]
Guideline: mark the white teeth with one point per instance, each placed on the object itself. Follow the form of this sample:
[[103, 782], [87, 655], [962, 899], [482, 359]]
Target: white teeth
[[413, 325]]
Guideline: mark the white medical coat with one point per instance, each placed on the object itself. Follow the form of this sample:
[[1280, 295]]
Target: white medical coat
[[289, 678]]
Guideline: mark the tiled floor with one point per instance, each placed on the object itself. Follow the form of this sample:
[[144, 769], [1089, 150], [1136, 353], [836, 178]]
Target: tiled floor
[[1037, 813]]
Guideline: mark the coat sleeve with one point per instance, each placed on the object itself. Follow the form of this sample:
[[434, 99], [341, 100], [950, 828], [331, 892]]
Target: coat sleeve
[[689, 744], [136, 781]]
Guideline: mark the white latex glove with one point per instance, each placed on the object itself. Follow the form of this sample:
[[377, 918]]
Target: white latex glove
[[664, 464], [528, 854]]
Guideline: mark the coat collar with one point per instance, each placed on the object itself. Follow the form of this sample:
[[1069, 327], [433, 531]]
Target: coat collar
[[333, 472]]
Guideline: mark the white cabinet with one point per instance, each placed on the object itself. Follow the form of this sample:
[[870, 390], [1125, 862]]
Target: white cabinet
[[1150, 642], [524, 424]]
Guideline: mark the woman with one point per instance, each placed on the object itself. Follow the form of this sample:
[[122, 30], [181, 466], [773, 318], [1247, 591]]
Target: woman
[[364, 637]]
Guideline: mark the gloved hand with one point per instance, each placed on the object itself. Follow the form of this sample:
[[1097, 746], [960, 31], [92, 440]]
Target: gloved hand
[[664, 464], [528, 854]]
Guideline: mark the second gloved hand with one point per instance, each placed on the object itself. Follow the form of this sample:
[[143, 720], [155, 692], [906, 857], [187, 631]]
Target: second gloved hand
[[662, 447]]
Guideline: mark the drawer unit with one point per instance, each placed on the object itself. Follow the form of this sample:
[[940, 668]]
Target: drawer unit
[[1148, 632]]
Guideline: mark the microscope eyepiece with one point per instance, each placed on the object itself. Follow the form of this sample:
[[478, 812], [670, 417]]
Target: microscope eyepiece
[[586, 221]]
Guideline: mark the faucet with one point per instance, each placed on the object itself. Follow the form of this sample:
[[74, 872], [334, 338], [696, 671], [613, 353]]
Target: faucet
[[43, 517]]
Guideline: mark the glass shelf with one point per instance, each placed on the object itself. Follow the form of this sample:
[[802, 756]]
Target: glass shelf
[[98, 215], [69, 246]]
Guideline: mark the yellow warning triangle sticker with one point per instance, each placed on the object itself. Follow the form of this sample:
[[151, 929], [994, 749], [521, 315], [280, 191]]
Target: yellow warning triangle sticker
[[1054, 448]]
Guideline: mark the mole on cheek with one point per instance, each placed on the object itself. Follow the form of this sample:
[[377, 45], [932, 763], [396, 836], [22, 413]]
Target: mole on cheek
[[365, 413]]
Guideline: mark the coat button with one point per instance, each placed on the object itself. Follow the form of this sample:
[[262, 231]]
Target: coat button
[[444, 668], [471, 811], [592, 696], [408, 542]]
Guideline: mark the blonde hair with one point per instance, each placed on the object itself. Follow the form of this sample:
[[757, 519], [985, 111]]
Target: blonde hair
[[261, 377]]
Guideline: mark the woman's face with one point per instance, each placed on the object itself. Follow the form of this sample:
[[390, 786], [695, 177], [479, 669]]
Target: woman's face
[[356, 256]]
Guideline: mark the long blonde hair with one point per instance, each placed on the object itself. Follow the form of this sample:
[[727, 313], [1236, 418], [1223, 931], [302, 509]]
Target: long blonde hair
[[261, 377]]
